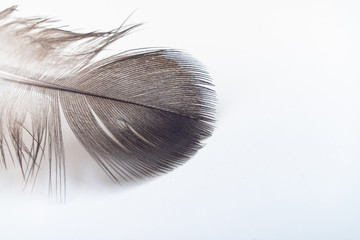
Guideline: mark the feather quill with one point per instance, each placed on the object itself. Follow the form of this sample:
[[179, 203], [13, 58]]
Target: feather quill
[[139, 113]]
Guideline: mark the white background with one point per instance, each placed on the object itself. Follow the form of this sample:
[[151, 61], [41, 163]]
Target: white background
[[284, 160]]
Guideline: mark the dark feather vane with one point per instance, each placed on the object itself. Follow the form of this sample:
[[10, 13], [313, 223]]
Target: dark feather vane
[[139, 114]]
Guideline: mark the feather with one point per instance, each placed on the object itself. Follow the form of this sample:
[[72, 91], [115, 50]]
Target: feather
[[140, 113]]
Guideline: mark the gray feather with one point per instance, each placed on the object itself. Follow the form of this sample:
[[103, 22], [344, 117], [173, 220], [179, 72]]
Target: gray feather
[[139, 114]]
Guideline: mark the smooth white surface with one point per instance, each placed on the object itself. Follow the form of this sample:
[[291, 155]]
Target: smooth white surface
[[284, 160]]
